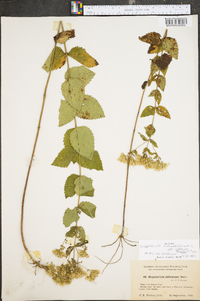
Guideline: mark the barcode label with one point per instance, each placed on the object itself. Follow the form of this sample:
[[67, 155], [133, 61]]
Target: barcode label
[[174, 21]]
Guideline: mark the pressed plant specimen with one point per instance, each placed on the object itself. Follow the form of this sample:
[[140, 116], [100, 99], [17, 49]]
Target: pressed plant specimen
[[78, 149], [165, 49]]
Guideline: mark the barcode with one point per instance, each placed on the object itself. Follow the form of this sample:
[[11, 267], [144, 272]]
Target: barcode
[[175, 21]]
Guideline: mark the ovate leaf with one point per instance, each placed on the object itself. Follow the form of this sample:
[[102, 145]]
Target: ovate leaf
[[66, 139], [151, 79], [170, 46], [154, 49], [80, 55], [134, 151], [160, 63], [89, 193], [162, 111], [58, 61], [95, 163], [146, 149], [83, 185], [82, 140], [151, 38], [67, 154], [72, 232], [73, 92], [153, 142], [150, 130], [90, 109], [143, 137], [69, 186], [154, 67], [164, 71], [82, 73], [70, 216], [161, 82], [88, 208], [66, 113], [63, 36], [79, 232], [64, 157], [163, 61], [149, 110], [157, 95]]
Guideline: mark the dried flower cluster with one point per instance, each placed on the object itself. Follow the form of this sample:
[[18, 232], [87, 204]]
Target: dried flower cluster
[[83, 253], [147, 162], [65, 273]]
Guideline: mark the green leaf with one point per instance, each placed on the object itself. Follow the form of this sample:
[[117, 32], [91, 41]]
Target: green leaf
[[70, 216], [82, 140], [161, 82], [134, 151], [150, 130], [66, 139], [154, 48], [143, 137], [162, 111], [152, 79], [164, 71], [79, 232], [69, 185], [67, 154], [63, 36], [72, 232], [149, 110], [146, 149], [58, 61], [82, 73], [80, 55], [66, 113], [95, 163], [157, 95], [73, 92], [162, 62], [151, 38], [83, 185], [64, 157], [90, 109], [153, 142], [88, 208], [88, 193], [154, 67], [170, 46]]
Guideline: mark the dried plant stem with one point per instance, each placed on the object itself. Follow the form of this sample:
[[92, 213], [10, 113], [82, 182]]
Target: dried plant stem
[[31, 161], [128, 160], [121, 237], [79, 157]]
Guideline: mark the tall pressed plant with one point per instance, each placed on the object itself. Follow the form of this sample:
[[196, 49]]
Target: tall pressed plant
[[78, 149], [164, 49]]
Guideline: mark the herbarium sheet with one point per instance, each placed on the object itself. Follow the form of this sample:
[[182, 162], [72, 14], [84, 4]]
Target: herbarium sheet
[[123, 75]]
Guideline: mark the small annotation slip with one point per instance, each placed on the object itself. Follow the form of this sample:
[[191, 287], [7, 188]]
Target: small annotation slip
[[169, 249]]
